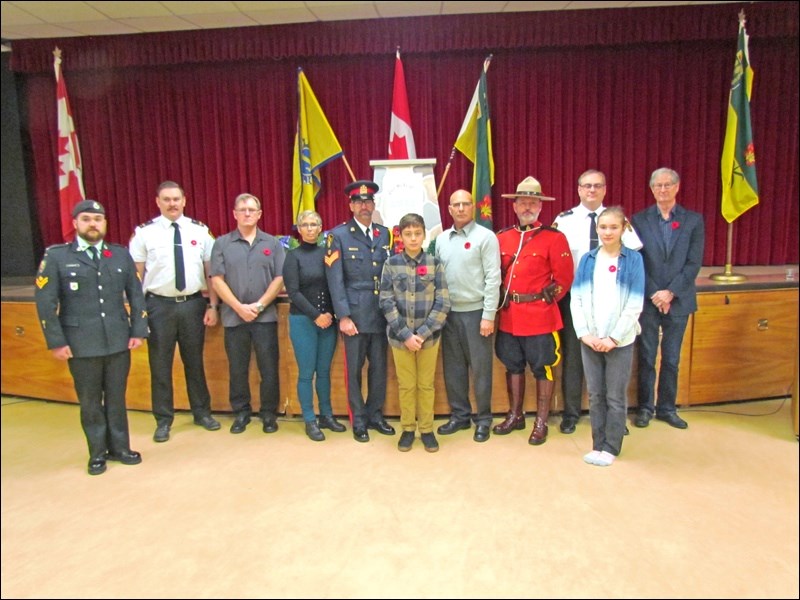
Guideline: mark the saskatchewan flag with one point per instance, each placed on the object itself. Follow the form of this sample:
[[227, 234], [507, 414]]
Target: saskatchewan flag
[[739, 185], [475, 142], [315, 145]]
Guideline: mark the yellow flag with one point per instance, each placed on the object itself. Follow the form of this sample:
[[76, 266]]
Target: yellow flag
[[738, 164], [315, 145], [475, 142]]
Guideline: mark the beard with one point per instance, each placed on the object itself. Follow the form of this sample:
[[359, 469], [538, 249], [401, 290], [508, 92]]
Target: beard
[[92, 235]]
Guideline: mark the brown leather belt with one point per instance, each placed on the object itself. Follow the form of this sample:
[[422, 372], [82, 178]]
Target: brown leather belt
[[522, 298]]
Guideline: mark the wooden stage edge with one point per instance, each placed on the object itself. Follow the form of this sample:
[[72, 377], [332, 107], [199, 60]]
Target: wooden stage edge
[[742, 344]]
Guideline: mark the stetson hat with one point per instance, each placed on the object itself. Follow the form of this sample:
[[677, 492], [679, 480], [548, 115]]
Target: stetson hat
[[528, 188]]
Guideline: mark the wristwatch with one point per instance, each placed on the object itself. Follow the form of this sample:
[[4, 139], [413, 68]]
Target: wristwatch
[[260, 307]]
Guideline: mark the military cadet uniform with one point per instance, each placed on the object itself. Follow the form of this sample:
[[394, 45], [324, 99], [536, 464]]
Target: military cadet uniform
[[175, 316], [537, 270], [575, 224], [354, 260], [82, 305]]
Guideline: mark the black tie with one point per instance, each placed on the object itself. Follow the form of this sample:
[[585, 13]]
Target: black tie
[[592, 232], [95, 257], [180, 272]]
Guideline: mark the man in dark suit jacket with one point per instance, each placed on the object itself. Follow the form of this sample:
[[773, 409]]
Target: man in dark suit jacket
[[673, 239], [356, 251], [81, 306]]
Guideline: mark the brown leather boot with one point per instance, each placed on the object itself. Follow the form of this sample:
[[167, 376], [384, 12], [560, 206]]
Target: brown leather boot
[[515, 419], [544, 392]]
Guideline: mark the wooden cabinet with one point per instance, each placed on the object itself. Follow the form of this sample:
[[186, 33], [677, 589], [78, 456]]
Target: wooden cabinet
[[743, 346]]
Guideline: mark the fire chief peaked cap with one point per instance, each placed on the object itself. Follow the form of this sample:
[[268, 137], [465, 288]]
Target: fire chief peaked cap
[[362, 189]]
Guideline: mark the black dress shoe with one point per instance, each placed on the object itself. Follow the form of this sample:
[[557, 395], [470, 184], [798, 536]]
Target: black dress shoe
[[329, 422], [270, 425], [568, 424], [360, 434], [126, 457], [240, 423], [452, 426], [382, 427], [674, 420], [97, 466], [642, 418], [481, 433], [313, 432], [161, 434], [207, 422]]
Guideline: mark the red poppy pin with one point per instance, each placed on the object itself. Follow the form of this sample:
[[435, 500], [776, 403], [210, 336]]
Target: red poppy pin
[[422, 270], [267, 252], [675, 224], [467, 246], [612, 268], [107, 253], [194, 242], [376, 233]]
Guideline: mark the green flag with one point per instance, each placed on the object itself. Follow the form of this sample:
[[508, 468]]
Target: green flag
[[739, 185], [315, 145], [475, 142]]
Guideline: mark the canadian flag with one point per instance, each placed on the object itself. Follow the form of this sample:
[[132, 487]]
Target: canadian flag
[[70, 174], [401, 138]]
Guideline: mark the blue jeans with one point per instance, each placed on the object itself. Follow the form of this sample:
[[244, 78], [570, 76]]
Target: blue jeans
[[607, 375], [672, 330], [313, 350]]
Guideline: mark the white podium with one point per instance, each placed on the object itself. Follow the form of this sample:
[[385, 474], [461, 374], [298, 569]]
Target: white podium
[[407, 186]]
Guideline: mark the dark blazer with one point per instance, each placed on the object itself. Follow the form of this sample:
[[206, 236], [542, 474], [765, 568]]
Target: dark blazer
[[673, 269], [84, 308], [354, 266]]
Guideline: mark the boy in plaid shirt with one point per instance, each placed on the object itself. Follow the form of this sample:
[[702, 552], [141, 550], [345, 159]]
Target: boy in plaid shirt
[[415, 302]]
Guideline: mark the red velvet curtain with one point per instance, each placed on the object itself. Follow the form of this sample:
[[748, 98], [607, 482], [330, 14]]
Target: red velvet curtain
[[624, 91]]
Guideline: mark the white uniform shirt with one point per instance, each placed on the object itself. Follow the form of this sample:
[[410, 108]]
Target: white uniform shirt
[[575, 225], [153, 244]]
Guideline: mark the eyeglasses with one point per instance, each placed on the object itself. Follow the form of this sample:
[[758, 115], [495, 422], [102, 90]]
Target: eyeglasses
[[590, 186], [308, 225], [362, 201], [662, 186], [248, 210]]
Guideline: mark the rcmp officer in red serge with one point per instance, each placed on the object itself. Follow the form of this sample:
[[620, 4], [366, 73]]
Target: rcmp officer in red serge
[[81, 306], [356, 251], [537, 271]]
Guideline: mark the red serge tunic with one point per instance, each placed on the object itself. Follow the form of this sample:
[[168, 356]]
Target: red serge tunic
[[544, 258]]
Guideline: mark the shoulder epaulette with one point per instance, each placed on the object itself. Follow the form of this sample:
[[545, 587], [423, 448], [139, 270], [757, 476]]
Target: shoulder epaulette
[[146, 223], [549, 228], [46, 250], [565, 213], [196, 222]]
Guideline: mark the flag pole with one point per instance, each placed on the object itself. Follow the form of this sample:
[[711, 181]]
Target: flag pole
[[446, 171], [728, 276], [487, 61], [347, 164], [743, 87]]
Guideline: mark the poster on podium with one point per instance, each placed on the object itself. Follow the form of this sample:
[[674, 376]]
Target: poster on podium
[[407, 186]]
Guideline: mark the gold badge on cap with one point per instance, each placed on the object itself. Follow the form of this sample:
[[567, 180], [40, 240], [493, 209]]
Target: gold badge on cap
[[363, 190]]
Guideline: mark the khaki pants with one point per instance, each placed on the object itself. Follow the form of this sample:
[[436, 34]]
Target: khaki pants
[[415, 375]]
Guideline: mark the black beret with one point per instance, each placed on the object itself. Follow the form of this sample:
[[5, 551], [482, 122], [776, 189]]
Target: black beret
[[88, 206]]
